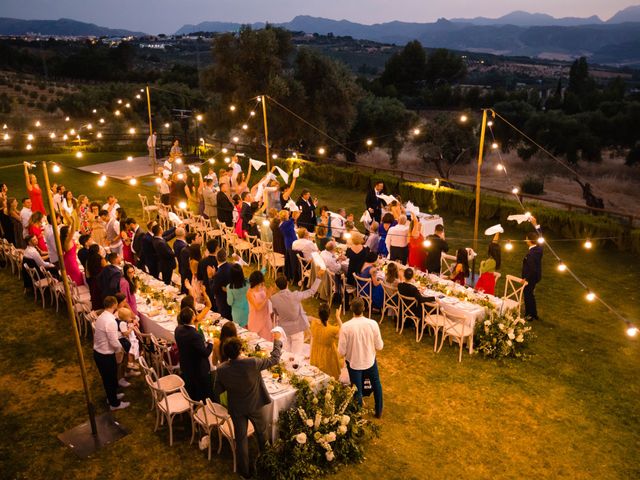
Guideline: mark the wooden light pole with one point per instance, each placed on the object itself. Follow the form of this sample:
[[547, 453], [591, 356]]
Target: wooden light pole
[[152, 157], [70, 310], [266, 131], [478, 178]]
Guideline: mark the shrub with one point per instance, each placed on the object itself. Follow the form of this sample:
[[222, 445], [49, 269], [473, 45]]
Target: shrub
[[532, 186], [33, 94]]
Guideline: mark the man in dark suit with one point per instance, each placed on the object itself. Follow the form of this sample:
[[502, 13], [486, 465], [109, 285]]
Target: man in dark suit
[[136, 244], [109, 278], [148, 257], [246, 214], [374, 204], [532, 273], [225, 205], [209, 260], [408, 289], [166, 257], [434, 251], [240, 377], [194, 357], [194, 240], [218, 281], [307, 206]]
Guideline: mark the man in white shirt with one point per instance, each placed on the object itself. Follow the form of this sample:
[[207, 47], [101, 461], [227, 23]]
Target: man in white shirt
[[358, 342], [236, 169], [304, 244], [105, 346], [337, 223], [111, 206], [398, 241], [25, 215], [50, 240], [151, 145], [330, 259], [113, 238], [31, 252]]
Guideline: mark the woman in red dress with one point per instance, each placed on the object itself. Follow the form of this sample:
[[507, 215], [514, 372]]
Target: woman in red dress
[[417, 251], [461, 270], [35, 193], [35, 229]]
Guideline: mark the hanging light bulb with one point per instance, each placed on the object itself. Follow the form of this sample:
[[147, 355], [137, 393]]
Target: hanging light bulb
[[227, 160], [72, 131], [212, 161], [347, 235], [78, 154], [65, 137], [29, 147], [182, 205], [489, 123], [245, 126], [101, 120], [52, 135], [416, 131], [167, 125], [252, 113], [508, 246], [224, 150], [158, 180], [235, 139], [540, 240], [129, 158], [232, 108], [274, 156], [56, 168], [142, 90], [179, 161], [66, 119], [95, 110], [103, 178], [4, 127], [199, 118], [588, 244], [499, 167], [562, 267], [98, 135], [426, 243], [89, 126], [117, 113], [494, 145], [37, 123], [180, 176], [138, 96], [369, 142], [132, 131], [590, 296], [133, 181], [463, 118], [128, 105], [6, 136], [632, 331], [30, 136], [119, 101], [101, 183], [321, 151], [515, 190]]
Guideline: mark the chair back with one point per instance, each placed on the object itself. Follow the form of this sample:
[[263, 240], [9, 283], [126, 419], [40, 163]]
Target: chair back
[[222, 416], [305, 268], [159, 396], [364, 290], [391, 298], [514, 289], [144, 201], [408, 308], [451, 320], [447, 263]]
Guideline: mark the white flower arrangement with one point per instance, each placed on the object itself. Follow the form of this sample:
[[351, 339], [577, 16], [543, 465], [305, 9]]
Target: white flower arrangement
[[503, 335], [330, 456], [301, 438]]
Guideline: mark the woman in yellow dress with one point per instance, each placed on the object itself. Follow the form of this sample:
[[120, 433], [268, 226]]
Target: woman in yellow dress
[[324, 342]]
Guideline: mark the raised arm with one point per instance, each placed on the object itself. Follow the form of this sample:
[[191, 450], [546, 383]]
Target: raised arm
[[26, 176], [274, 359], [287, 193]]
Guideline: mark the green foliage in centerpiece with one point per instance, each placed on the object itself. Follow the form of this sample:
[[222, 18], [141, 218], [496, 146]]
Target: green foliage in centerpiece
[[505, 335]]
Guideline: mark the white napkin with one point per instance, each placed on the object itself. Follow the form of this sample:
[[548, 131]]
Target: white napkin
[[412, 209], [194, 169], [519, 218], [386, 198], [280, 330], [291, 205], [256, 164], [296, 173], [495, 229], [175, 219], [283, 174], [337, 216], [366, 218]]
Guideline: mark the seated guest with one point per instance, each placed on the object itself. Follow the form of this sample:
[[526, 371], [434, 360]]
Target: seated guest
[[50, 239], [292, 318], [324, 342], [33, 253], [241, 378], [322, 238], [258, 299], [461, 270], [237, 295], [487, 281], [373, 240], [128, 286], [194, 357], [337, 224], [409, 289], [228, 330], [35, 229], [330, 259], [397, 240], [357, 254], [392, 277], [304, 244], [183, 255], [369, 271]]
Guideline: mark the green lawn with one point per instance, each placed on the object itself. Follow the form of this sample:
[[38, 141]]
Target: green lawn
[[570, 411]]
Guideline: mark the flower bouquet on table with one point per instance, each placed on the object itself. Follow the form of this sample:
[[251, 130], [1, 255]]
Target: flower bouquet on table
[[503, 335], [323, 430]]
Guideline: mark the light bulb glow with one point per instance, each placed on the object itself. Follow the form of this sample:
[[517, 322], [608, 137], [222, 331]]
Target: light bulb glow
[[56, 169], [128, 105], [89, 126], [321, 151], [347, 235], [224, 150], [508, 246], [252, 113], [66, 119], [489, 123], [98, 135], [463, 118], [117, 113], [29, 147], [499, 167], [199, 118], [180, 176], [515, 190], [426, 243], [562, 267], [235, 139], [101, 120], [166, 125], [158, 180], [37, 123], [588, 245], [590, 296], [178, 160], [95, 110], [245, 126], [494, 145], [101, 183], [182, 205], [211, 161], [227, 160], [65, 137], [30, 136], [632, 331], [416, 131], [103, 178], [274, 156], [6, 136], [119, 101], [133, 181], [232, 108], [138, 96], [132, 130], [369, 142], [540, 240], [129, 158], [78, 154]]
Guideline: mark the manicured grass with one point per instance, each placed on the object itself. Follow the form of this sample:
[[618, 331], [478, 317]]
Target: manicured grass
[[570, 411]]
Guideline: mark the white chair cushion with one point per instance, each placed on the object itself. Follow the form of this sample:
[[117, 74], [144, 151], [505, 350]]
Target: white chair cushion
[[177, 403], [170, 383]]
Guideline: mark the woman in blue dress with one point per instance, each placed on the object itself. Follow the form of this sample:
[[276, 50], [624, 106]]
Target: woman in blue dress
[[369, 270], [387, 222]]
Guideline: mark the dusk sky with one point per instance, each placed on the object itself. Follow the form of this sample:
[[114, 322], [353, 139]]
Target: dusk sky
[[166, 16]]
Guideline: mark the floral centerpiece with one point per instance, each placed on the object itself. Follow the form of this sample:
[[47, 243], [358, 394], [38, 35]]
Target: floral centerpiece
[[505, 335], [323, 430]]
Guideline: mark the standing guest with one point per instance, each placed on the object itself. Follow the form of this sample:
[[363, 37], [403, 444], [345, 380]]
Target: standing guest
[[532, 273], [246, 215], [148, 256], [276, 235], [396, 209], [324, 342], [385, 225], [437, 245], [417, 253], [288, 229], [112, 231], [82, 214], [34, 191], [109, 277], [93, 267], [487, 281], [225, 205], [461, 270], [307, 207], [397, 240], [111, 206], [241, 378], [188, 259], [180, 241], [237, 295], [259, 320], [179, 191], [194, 357], [165, 256], [58, 195], [68, 209], [242, 182], [151, 146], [35, 229], [5, 221], [136, 240], [373, 240], [70, 255], [304, 244], [210, 200], [209, 260], [128, 286], [224, 178], [359, 340], [292, 318], [219, 282], [105, 347], [357, 254], [369, 271], [50, 239], [32, 252], [25, 216], [190, 302], [373, 202], [164, 187], [236, 169], [16, 222], [127, 240], [286, 191], [99, 228]]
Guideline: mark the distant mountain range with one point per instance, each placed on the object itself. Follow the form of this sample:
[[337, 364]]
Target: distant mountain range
[[61, 27]]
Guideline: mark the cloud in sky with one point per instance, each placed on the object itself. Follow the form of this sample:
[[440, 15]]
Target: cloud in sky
[[155, 16]]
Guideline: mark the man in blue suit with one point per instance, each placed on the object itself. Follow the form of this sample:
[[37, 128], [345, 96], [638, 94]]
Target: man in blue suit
[[532, 273], [219, 281]]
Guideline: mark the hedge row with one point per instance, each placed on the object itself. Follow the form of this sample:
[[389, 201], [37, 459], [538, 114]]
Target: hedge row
[[433, 198]]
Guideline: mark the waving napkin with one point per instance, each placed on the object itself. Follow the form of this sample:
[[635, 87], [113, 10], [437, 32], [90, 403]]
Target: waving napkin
[[338, 216], [386, 198], [256, 164], [291, 205], [296, 173], [495, 229], [175, 219], [519, 218], [412, 209], [366, 218], [283, 174], [194, 169], [280, 330]]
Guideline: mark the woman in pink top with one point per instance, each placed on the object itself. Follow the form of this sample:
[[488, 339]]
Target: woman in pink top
[[258, 298], [71, 264], [128, 286]]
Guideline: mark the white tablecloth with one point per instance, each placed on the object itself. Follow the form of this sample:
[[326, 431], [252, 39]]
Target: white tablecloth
[[428, 223]]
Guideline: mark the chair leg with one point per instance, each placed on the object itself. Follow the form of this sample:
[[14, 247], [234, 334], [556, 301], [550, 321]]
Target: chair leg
[[170, 422], [461, 346]]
